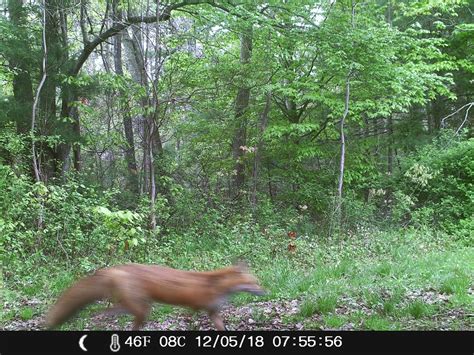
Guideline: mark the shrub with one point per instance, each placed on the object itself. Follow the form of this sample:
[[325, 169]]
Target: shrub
[[435, 186]]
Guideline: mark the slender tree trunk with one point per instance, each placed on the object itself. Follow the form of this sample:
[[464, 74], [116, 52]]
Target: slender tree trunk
[[388, 192], [336, 221], [241, 105], [77, 156], [258, 152], [389, 129], [291, 110], [340, 184], [152, 175], [36, 165]]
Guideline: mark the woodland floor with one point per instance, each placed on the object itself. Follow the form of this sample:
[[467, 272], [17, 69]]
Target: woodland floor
[[352, 314], [398, 281]]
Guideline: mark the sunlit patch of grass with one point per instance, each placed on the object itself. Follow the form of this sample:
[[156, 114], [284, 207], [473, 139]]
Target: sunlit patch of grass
[[308, 308], [457, 283], [418, 309], [389, 307], [341, 269], [334, 321], [383, 269], [61, 282], [373, 298], [27, 313], [378, 323], [326, 303], [161, 310], [321, 304], [304, 285]]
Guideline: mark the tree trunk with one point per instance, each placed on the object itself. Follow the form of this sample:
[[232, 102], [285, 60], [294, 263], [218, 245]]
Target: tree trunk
[[22, 86], [343, 146], [132, 176], [51, 156], [241, 105], [136, 63], [340, 185], [56, 159], [389, 130], [388, 192], [258, 152]]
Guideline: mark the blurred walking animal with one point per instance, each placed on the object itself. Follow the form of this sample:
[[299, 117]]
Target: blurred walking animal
[[134, 287]]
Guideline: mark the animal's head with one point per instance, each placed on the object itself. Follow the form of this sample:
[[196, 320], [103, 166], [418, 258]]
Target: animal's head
[[241, 280]]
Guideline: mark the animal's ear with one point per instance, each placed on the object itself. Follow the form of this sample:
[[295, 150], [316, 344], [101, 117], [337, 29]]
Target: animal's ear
[[241, 265]]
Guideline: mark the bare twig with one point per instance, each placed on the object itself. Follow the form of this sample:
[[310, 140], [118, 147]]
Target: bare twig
[[36, 166], [469, 105], [465, 117]]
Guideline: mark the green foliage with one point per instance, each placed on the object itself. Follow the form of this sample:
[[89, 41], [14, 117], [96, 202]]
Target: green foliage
[[68, 221], [435, 187], [122, 226]]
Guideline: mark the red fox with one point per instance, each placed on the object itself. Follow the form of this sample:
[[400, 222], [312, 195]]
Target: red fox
[[133, 287]]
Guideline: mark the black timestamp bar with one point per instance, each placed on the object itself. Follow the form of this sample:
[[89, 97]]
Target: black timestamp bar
[[276, 342]]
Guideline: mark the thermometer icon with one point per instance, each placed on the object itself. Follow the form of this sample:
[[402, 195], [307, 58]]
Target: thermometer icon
[[114, 344]]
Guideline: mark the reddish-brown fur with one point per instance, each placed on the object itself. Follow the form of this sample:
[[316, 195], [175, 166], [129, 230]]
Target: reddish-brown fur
[[133, 287]]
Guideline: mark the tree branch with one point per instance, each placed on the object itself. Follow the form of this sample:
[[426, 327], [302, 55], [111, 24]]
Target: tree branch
[[117, 27], [468, 105]]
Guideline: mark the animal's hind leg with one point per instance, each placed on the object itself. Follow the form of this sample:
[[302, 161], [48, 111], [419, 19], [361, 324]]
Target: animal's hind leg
[[139, 308], [217, 320], [134, 303]]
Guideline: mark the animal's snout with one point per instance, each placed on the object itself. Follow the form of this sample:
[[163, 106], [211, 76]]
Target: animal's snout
[[257, 290], [260, 292]]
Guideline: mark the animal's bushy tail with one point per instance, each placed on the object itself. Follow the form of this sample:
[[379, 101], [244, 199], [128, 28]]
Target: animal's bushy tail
[[85, 291]]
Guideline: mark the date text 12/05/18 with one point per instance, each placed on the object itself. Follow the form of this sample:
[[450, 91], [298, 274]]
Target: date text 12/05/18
[[276, 341]]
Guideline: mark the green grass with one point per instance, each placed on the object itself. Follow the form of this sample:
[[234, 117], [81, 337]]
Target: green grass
[[389, 307], [27, 313], [378, 323], [334, 321], [308, 308], [322, 304], [418, 309], [383, 269], [457, 283], [374, 272]]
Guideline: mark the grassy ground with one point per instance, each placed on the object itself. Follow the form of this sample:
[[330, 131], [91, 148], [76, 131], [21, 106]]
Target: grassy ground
[[368, 280]]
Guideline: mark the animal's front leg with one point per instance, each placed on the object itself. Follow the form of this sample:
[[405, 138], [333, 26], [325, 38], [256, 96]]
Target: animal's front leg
[[217, 320]]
